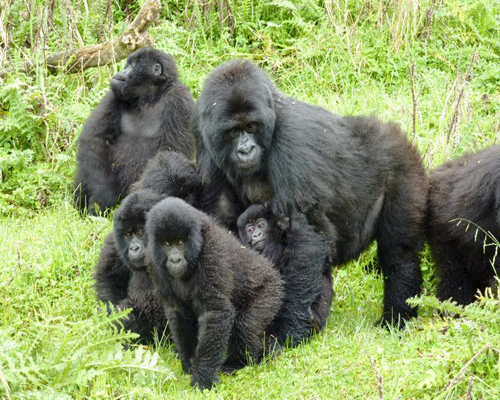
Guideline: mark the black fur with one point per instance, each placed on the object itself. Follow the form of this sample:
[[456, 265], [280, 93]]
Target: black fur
[[464, 194], [123, 283], [147, 110], [219, 296], [171, 174], [355, 178], [299, 253]]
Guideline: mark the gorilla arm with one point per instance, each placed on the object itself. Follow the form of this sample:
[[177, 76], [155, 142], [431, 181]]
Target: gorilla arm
[[100, 130]]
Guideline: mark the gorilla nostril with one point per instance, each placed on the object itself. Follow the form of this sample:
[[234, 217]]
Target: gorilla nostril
[[245, 150], [257, 235], [135, 248], [175, 260]]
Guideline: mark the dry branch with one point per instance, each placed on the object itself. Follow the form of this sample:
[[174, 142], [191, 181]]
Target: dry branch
[[134, 37]]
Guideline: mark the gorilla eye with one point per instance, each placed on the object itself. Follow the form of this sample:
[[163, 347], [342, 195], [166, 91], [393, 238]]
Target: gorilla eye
[[262, 225], [252, 127], [128, 234], [250, 228], [234, 132], [180, 243], [166, 244], [157, 69], [140, 233]]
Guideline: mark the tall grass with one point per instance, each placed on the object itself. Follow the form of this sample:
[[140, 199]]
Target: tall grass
[[433, 66]]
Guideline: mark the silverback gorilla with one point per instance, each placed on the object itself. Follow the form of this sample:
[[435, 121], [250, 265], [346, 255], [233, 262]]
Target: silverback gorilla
[[147, 110], [219, 297], [299, 253], [355, 178], [121, 277], [465, 194]]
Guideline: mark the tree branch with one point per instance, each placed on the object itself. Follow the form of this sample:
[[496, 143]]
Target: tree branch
[[135, 36]]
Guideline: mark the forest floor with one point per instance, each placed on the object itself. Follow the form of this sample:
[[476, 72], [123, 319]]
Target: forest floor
[[431, 66]]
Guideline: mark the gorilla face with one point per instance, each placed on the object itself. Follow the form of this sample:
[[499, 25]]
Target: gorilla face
[[174, 229], [257, 233], [146, 72], [129, 223], [238, 119], [176, 260]]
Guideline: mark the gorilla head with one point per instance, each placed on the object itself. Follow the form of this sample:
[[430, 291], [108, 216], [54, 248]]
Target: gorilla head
[[149, 65], [171, 174], [237, 116], [129, 223], [176, 237], [263, 232]]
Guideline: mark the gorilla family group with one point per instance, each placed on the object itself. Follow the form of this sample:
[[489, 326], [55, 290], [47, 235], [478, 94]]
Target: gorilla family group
[[236, 207]]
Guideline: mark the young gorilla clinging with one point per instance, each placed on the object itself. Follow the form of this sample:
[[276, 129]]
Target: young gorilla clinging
[[299, 253], [464, 191], [121, 276], [219, 297], [147, 110]]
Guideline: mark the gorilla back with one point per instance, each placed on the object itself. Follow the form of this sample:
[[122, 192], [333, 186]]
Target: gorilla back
[[355, 178], [464, 194], [147, 110]]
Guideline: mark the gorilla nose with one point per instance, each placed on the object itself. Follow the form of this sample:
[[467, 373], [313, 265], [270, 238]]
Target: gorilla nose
[[134, 248], [246, 150], [257, 235], [175, 260]]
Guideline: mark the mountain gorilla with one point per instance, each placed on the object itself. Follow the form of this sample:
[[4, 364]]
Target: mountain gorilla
[[356, 179], [121, 277], [299, 253], [171, 174], [147, 110], [464, 194], [219, 297]]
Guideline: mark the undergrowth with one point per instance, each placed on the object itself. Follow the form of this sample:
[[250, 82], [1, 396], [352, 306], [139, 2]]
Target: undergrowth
[[431, 65]]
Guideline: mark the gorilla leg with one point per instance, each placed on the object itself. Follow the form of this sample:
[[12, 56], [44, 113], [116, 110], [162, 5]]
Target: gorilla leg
[[400, 238], [455, 281], [320, 309], [184, 330], [251, 326]]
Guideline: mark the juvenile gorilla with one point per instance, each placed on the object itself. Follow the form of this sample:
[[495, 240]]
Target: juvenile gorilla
[[147, 110], [121, 277], [299, 253], [171, 174], [356, 179], [219, 297], [464, 194]]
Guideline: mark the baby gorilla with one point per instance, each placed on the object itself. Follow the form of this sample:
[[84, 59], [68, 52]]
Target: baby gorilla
[[219, 297], [121, 276], [465, 194], [171, 174], [299, 254]]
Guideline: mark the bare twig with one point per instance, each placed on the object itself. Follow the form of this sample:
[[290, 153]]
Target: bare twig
[[134, 37], [457, 106], [413, 75], [379, 379], [469, 388], [5, 384], [460, 374]]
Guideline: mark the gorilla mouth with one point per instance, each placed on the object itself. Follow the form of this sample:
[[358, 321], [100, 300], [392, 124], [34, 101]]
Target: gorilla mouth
[[247, 164], [258, 246]]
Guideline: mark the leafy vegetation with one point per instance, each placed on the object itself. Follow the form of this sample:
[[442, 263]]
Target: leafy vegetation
[[430, 65]]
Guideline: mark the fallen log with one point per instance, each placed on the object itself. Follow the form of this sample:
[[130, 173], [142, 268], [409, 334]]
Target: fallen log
[[133, 37]]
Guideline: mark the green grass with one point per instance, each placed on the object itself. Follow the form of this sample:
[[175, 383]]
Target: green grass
[[350, 57]]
